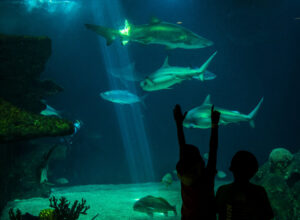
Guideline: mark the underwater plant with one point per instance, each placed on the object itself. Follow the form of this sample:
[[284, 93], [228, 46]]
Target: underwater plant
[[13, 215], [62, 211]]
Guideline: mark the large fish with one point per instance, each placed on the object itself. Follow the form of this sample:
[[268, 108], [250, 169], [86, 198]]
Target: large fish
[[121, 97], [200, 117], [156, 32], [167, 75], [151, 204]]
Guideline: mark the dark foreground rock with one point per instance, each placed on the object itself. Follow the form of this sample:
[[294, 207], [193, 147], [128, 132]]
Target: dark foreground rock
[[22, 60], [280, 176]]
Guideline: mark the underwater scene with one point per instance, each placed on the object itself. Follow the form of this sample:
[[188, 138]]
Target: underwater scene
[[149, 109]]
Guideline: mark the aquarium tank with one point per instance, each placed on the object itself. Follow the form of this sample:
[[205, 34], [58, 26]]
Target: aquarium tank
[[88, 123]]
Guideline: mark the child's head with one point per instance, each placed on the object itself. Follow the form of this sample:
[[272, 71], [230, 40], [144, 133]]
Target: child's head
[[243, 165], [191, 165]]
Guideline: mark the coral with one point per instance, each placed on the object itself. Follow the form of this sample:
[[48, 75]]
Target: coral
[[47, 214], [279, 159], [280, 176], [62, 211], [15, 216], [16, 124]]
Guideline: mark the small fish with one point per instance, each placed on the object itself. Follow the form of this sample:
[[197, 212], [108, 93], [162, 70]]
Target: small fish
[[151, 204], [49, 111], [179, 22], [221, 174], [121, 97], [167, 179]]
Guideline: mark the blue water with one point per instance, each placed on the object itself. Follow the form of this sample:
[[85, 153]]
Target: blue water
[[258, 56]]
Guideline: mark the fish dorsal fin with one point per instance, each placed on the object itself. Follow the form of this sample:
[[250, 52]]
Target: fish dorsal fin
[[207, 100], [127, 23], [166, 63], [155, 20]]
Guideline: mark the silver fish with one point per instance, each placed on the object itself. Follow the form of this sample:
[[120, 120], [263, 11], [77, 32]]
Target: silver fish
[[121, 97]]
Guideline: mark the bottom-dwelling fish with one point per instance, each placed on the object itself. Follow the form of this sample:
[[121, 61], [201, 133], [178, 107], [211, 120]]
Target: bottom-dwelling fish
[[151, 204], [199, 117]]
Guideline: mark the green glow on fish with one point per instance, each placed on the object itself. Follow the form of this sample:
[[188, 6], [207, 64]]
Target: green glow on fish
[[126, 30]]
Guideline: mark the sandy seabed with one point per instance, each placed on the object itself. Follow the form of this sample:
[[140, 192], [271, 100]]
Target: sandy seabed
[[110, 202]]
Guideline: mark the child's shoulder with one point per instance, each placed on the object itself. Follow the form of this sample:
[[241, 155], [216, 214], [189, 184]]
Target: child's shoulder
[[225, 188], [257, 188]]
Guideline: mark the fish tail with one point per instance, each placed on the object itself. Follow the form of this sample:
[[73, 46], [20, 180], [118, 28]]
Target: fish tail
[[204, 66], [253, 113], [207, 75], [109, 34]]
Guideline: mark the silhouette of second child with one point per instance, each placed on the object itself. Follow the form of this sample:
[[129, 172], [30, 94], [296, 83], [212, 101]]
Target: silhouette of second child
[[242, 200], [197, 181]]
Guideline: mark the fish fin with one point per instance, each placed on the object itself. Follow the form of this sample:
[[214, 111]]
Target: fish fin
[[166, 63], [253, 113], [123, 42], [207, 100], [209, 75], [252, 124], [128, 23], [166, 214], [108, 33], [174, 210], [155, 20], [204, 66], [201, 77]]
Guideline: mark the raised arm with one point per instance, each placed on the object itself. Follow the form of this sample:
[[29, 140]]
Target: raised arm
[[213, 145], [179, 117]]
